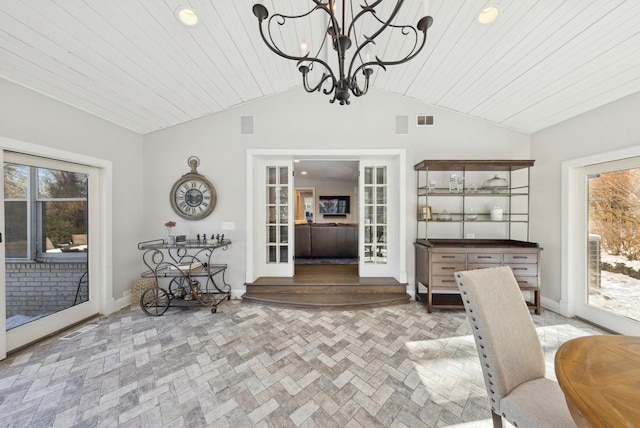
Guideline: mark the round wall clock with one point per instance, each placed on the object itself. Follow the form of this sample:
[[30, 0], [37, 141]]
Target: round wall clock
[[193, 197]]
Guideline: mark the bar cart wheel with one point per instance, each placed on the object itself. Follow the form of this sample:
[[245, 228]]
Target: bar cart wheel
[[155, 301]]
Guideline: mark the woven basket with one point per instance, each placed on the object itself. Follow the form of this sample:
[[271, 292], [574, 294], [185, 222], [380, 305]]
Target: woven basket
[[139, 287]]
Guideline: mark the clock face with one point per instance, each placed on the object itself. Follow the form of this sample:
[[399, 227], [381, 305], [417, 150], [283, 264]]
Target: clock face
[[193, 197]]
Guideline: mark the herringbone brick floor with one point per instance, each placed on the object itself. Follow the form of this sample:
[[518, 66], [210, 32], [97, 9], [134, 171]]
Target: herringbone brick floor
[[252, 365]]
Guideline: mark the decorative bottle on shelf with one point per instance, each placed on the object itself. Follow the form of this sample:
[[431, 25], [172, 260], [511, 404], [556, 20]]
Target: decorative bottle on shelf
[[453, 183]]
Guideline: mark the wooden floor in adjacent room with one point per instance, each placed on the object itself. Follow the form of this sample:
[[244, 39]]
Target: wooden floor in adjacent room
[[327, 286]]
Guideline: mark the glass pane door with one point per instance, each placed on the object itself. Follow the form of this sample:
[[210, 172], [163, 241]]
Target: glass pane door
[[375, 215], [47, 246], [277, 191], [613, 249]]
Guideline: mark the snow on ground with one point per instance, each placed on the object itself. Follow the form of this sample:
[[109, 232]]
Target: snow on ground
[[618, 292]]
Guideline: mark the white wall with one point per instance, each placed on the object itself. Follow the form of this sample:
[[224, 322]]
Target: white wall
[[297, 120], [611, 127], [34, 118]]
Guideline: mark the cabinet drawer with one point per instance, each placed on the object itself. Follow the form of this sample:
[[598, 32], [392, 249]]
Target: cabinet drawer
[[484, 258], [524, 269], [444, 281], [521, 258], [448, 257], [527, 281], [474, 266], [446, 268]]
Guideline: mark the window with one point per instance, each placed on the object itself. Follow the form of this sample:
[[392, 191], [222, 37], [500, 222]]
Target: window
[[45, 213]]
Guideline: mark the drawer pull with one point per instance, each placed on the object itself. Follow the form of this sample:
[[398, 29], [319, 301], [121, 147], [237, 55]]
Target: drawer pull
[[519, 268], [448, 268], [448, 280], [520, 257], [448, 257], [484, 257]]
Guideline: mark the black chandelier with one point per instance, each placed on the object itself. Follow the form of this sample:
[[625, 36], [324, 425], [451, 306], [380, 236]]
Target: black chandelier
[[343, 36]]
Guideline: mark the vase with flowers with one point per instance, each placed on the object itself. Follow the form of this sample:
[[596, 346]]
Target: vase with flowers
[[170, 239]]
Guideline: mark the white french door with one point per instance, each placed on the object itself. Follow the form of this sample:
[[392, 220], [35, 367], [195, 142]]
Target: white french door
[[273, 217], [379, 218], [48, 281]]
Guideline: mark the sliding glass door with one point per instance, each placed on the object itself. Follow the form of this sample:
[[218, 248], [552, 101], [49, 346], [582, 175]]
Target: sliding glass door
[[47, 243], [610, 295]]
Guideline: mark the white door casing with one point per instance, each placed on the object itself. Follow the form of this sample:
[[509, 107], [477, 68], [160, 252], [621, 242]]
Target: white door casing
[[37, 329], [575, 237], [100, 228]]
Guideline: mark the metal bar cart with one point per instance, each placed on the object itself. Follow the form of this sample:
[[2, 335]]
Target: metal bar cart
[[188, 276]]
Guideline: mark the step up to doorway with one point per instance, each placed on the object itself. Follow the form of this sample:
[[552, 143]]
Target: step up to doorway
[[336, 287], [328, 301]]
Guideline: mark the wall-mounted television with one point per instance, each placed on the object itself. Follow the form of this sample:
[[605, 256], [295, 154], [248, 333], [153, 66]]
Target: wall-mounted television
[[334, 205]]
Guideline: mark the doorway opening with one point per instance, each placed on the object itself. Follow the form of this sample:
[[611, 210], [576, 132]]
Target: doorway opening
[[326, 217], [380, 212]]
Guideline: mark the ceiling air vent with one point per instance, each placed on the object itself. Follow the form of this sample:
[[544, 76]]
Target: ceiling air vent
[[424, 120]]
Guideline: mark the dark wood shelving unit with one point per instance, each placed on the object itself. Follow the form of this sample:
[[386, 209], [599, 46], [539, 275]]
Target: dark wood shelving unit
[[440, 254]]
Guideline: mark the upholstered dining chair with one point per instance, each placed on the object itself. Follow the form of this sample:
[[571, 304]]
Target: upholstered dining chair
[[510, 352]]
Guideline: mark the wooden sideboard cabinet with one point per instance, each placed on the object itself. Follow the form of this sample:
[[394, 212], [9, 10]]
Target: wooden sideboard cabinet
[[437, 260]]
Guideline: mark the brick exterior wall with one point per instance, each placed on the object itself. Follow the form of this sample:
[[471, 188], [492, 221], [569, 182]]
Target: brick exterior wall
[[37, 288]]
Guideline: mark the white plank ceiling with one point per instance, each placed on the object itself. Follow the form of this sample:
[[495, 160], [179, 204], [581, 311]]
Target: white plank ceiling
[[131, 62]]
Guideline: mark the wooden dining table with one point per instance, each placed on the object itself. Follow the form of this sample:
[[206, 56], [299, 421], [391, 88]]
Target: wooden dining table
[[600, 378]]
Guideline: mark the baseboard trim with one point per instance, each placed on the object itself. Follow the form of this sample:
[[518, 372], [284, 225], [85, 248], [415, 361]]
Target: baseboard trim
[[121, 303]]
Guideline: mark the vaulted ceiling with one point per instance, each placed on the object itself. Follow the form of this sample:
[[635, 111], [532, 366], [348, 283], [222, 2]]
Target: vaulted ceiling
[[131, 62]]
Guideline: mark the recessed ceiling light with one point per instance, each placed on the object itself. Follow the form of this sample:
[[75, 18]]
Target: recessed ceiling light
[[296, 160], [304, 173], [187, 16], [488, 15]]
